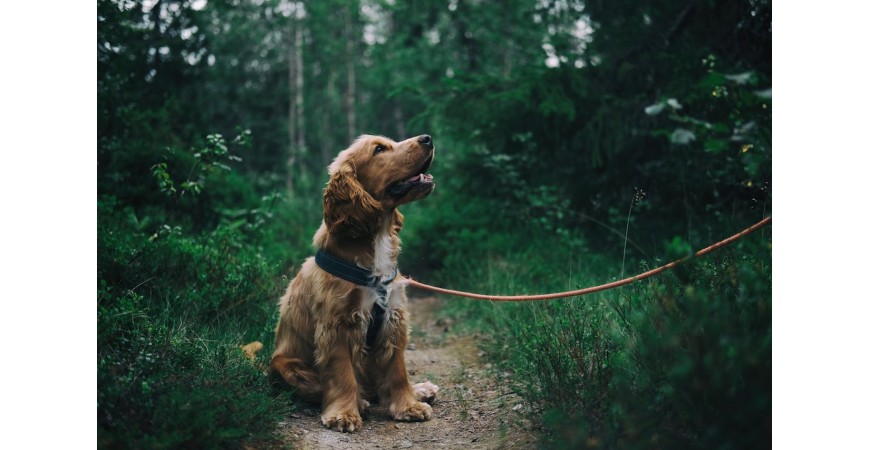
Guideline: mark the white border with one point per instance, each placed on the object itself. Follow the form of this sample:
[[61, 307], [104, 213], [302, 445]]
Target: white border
[[820, 326], [48, 188]]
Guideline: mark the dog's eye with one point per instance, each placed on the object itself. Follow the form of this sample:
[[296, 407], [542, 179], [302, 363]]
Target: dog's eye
[[379, 148]]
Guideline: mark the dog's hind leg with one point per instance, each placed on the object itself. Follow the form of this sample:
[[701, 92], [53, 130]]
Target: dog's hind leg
[[294, 372]]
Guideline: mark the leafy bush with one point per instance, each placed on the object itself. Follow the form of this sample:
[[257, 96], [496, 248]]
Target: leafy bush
[[171, 385], [184, 278], [172, 311], [682, 360]]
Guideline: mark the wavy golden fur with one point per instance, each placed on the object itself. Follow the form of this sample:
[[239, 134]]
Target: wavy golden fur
[[320, 346]]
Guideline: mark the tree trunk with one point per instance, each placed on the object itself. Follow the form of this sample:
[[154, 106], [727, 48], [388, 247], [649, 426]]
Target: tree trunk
[[400, 122], [291, 119], [300, 88], [466, 39], [296, 81], [350, 98], [327, 150]]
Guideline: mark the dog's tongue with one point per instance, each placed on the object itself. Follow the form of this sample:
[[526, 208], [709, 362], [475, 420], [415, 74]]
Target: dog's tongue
[[419, 178]]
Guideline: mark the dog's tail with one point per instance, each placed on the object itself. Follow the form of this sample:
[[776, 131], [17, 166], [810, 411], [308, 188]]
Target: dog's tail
[[251, 351]]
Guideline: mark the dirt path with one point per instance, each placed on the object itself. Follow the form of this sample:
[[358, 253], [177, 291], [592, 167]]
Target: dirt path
[[473, 409]]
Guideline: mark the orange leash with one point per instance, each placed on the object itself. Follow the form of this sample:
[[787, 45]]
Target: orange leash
[[589, 290]]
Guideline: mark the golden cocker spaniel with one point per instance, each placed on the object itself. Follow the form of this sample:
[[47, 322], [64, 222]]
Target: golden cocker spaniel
[[343, 326]]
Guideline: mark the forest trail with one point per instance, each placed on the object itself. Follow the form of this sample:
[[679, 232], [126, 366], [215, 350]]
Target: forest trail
[[473, 409]]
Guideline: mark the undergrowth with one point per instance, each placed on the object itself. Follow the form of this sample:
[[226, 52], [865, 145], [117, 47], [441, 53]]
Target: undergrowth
[[682, 360], [191, 263], [183, 280]]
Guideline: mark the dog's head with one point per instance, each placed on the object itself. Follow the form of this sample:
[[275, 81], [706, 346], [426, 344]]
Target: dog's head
[[372, 176]]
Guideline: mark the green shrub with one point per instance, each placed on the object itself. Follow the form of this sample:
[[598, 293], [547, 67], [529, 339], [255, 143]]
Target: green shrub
[[184, 278], [682, 360], [175, 386], [172, 311]]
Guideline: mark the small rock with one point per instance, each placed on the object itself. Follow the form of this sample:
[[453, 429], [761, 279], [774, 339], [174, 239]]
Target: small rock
[[411, 347], [412, 372], [518, 407], [404, 444], [396, 426]]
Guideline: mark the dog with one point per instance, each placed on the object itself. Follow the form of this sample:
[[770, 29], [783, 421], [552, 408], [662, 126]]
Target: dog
[[343, 326]]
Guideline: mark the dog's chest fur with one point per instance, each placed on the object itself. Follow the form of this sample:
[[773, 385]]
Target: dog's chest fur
[[385, 250]]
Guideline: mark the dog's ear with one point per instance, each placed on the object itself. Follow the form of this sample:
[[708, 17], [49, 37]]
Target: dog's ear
[[347, 208]]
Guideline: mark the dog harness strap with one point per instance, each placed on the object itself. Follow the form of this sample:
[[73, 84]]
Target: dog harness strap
[[377, 322], [363, 277]]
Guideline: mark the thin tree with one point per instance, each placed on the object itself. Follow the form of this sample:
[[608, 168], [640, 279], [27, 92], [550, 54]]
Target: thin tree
[[350, 98]]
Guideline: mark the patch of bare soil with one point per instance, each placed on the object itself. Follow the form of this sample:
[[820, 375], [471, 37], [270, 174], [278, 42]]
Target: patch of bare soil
[[473, 410]]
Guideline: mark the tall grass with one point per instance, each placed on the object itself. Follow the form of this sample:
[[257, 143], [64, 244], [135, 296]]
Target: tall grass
[[175, 302], [682, 360]]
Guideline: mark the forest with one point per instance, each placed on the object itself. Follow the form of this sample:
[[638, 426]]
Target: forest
[[578, 142]]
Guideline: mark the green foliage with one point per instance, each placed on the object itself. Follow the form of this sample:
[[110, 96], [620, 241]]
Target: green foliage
[[172, 310], [551, 120], [171, 384], [176, 299], [208, 160], [680, 361]]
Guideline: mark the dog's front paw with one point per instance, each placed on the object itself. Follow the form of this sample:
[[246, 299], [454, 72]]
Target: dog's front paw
[[413, 412], [344, 422], [425, 392]]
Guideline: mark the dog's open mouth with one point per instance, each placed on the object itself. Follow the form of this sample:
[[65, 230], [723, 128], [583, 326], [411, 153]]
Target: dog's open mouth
[[418, 180]]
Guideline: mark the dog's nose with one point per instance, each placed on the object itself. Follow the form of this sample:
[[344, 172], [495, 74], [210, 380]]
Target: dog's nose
[[426, 141]]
